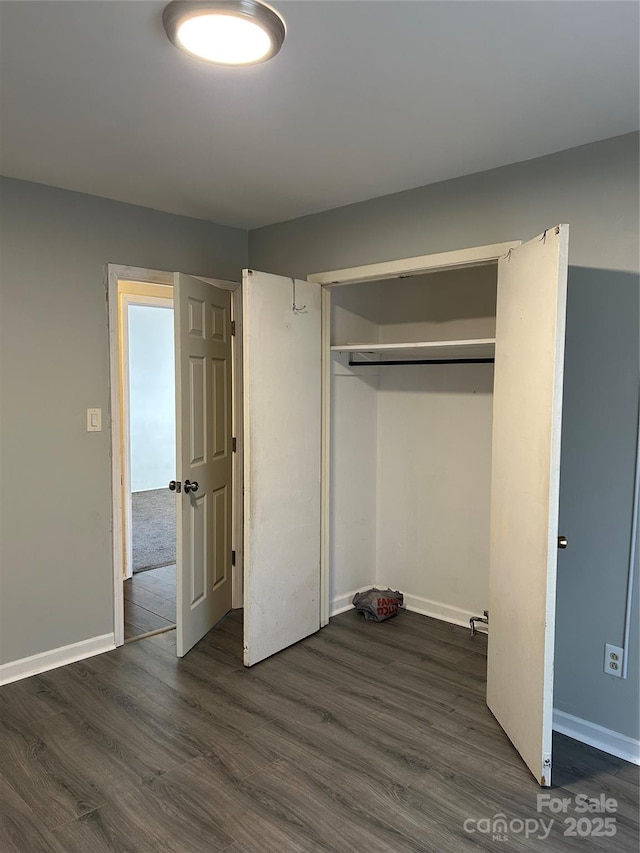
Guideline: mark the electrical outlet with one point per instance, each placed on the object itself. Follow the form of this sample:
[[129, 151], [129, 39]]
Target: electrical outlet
[[613, 657]]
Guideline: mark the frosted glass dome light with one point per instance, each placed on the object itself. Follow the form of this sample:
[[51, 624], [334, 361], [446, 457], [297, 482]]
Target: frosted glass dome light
[[227, 32]]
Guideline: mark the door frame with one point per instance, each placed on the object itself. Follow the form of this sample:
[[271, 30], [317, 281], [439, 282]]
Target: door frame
[[237, 418], [114, 274], [365, 274]]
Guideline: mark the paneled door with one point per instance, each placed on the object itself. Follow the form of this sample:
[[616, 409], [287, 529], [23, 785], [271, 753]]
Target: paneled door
[[203, 457], [532, 288], [282, 447]]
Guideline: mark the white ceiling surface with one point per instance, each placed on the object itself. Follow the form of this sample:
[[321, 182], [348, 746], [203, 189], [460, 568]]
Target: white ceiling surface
[[365, 99]]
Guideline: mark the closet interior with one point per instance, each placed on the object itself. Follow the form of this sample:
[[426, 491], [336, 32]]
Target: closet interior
[[410, 461]]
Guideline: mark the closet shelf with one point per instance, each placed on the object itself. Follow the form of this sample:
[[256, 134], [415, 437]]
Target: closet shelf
[[445, 352]]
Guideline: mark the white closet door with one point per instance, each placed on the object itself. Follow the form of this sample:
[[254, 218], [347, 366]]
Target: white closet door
[[532, 284], [202, 323], [282, 421]]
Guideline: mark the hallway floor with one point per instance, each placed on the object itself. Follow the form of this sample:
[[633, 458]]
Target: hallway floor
[[153, 529], [149, 601]]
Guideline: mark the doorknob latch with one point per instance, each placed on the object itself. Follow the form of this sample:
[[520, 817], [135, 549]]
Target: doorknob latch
[[175, 486], [190, 487], [562, 542]]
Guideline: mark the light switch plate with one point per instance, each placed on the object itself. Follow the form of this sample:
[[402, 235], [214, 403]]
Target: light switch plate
[[94, 420]]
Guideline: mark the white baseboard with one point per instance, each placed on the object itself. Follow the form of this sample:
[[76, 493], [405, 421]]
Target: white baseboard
[[23, 668], [605, 739], [342, 603], [444, 612]]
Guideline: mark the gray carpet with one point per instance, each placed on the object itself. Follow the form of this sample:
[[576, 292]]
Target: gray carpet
[[154, 529]]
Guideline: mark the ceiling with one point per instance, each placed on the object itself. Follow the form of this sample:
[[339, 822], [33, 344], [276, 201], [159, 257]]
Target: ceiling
[[365, 98]]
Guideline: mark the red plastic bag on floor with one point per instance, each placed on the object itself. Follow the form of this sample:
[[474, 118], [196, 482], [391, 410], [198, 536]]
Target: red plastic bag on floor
[[378, 604]]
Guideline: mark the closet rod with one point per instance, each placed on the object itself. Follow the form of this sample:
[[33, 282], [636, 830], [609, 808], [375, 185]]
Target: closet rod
[[353, 363]]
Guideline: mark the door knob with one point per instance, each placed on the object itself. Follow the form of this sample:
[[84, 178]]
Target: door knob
[[175, 486], [190, 487], [562, 542]]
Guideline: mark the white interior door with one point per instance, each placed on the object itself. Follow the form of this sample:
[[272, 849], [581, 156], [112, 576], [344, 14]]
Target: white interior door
[[204, 457], [532, 285], [282, 422]]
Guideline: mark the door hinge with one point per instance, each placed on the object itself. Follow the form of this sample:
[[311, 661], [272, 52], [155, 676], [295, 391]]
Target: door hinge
[[233, 558], [234, 445], [233, 327]]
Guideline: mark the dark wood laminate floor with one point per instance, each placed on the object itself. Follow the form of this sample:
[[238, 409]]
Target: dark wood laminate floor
[[365, 737], [149, 601]]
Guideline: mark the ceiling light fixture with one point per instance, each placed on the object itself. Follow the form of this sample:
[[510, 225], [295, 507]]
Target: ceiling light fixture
[[226, 32]]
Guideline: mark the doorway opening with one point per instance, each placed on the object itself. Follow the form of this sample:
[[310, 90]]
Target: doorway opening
[[148, 444]]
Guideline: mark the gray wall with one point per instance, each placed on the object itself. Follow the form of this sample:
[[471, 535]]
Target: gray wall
[[55, 483], [595, 189], [600, 409]]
